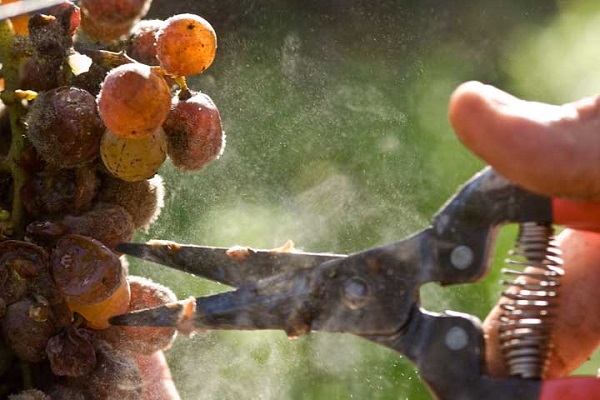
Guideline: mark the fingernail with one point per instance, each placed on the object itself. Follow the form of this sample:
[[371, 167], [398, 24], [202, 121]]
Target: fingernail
[[496, 95]]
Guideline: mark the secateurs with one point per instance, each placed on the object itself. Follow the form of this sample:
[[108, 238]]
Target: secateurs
[[374, 293]]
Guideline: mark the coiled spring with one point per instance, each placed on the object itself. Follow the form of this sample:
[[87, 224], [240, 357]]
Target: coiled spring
[[529, 300]]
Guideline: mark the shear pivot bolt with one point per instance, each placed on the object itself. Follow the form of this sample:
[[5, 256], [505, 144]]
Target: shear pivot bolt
[[456, 338], [355, 293], [461, 257]]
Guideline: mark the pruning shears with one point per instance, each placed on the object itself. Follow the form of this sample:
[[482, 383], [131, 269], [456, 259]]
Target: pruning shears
[[375, 293]]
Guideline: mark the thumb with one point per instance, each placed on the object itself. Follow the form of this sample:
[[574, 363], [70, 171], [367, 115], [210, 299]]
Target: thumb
[[551, 150]]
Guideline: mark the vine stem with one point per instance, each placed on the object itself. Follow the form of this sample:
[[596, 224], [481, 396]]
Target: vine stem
[[17, 147], [11, 55]]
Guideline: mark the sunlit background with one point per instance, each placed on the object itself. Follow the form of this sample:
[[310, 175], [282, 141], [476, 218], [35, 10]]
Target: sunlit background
[[337, 138]]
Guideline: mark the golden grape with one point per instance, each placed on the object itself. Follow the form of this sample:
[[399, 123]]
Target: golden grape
[[133, 160], [186, 44]]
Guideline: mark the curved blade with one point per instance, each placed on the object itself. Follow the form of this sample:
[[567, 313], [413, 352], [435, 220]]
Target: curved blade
[[231, 266]]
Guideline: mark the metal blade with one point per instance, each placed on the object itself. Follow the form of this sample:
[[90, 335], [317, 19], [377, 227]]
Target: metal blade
[[280, 302], [368, 293], [23, 7], [163, 316], [231, 266]]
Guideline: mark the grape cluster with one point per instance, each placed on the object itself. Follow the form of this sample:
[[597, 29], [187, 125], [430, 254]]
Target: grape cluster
[[94, 101]]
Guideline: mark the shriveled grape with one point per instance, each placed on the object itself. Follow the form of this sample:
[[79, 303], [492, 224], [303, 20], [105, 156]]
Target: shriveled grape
[[71, 353], [109, 223], [27, 336], [133, 159], [91, 278], [51, 39], [51, 35], [186, 44], [23, 268], [134, 100], [194, 132], [143, 200], [141, 44], [116, 376], [45, 233], [69, 16], [13, 287], [56, 192], [64, 126]]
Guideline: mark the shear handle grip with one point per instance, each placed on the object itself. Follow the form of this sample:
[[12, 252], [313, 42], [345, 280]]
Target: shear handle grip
[[577, 388], [576, 215]]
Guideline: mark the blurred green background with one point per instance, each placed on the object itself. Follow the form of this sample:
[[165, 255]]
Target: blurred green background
[[337, 138]]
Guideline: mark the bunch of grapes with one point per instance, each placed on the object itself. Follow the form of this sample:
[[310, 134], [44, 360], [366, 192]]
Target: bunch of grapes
[[94, 101]]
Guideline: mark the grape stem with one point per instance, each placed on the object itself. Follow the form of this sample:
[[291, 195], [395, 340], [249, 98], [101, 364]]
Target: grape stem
[[11, 53], [180, 80], [177, 79], [185, 94], [106, 59]]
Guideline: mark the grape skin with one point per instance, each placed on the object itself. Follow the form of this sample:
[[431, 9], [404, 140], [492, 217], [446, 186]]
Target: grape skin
[[108, 223], [84, 269], [45, 233], [143, 340], [105, 32], [115, 11], [109, 20], [133, 160], [141, 44], [91, 278], [50, 38], [143, 200], [24, 268], [64, 126], [116, 376], [56, 192], [71, 353], [194, 132], [186, 44], [134, 100], [25, 335]]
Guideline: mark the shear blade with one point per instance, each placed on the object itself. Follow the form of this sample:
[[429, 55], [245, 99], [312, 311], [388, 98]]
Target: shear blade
[[163, 316], [230, 266], [12, 10], [280, 302]]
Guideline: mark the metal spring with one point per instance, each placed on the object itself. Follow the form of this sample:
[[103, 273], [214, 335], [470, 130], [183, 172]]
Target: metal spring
[[528, 301]]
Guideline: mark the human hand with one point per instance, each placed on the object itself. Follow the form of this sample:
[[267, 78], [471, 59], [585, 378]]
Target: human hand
[[554, 151]]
